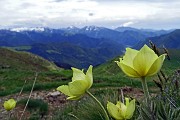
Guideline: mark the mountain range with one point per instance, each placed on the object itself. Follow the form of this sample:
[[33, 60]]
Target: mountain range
[[78, 47], [169, 41], [124, 35]]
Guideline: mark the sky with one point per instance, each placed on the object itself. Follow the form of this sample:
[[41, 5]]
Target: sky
[[148, 14]]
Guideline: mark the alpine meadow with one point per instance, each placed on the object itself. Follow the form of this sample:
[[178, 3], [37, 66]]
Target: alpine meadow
[[89, 60]]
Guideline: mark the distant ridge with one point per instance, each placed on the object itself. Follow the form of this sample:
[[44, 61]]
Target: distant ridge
[[72, 46], [170, 40]]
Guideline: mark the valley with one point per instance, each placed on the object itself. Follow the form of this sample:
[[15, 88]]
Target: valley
[[78, 47]]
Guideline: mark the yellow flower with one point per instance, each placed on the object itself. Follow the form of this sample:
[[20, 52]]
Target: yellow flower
[[10, 104], [121, 111], [140, 63], [80, 83]]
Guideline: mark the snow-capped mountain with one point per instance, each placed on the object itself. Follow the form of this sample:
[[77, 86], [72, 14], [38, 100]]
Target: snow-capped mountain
[[123, 29], [71, 29], [124, 35], [74, 46], [20, 29], [91, 28]]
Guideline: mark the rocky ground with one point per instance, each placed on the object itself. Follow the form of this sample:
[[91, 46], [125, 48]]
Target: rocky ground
[[54, 99]]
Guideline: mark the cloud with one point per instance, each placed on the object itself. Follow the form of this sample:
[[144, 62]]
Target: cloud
[[63, 13], [59, 0], [127, 23]]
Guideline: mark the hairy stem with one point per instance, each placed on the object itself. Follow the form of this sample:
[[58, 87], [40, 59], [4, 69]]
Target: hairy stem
[[145, 89], [99, 103]]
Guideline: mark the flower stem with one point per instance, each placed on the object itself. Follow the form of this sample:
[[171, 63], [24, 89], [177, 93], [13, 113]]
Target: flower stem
[[9, 115], [99, 103], [145, 89]]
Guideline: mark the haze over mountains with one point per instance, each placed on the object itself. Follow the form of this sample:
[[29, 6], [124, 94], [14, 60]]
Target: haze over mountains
[[80, 47]]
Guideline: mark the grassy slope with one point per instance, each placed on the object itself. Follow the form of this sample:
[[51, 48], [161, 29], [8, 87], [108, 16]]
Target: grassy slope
[[24, 61], [105, 75], [173, 63], [16, 67]]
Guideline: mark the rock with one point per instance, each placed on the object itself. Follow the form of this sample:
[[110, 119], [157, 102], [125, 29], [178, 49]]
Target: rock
[[56, 93], [54, 99], [51, 99], [126, 89]]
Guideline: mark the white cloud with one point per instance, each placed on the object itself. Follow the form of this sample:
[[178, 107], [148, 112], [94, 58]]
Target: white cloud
[[127, 24], [62, 13]]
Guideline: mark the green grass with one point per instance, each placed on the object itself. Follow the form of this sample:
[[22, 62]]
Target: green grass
[[12, 80], [36, 107], [18, 67], [105, 75]]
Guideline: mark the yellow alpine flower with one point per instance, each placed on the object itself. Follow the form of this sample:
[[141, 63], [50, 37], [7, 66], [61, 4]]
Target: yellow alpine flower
[[121, 111], [140, 63], [80, 83], [10, 104]]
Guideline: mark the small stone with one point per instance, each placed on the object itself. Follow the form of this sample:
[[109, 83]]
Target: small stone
[[56, 93], [51, 99]]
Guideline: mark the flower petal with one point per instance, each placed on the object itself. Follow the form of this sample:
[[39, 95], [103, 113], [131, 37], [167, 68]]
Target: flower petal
[[129, 57], [113, 110], [127, 101], [74, 97], [78, 87], [77, 74], [127, 70], [89, 76], [118, 104], [64, 89], [156, 66], [123, 109], [130, 109], [144, 60]]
